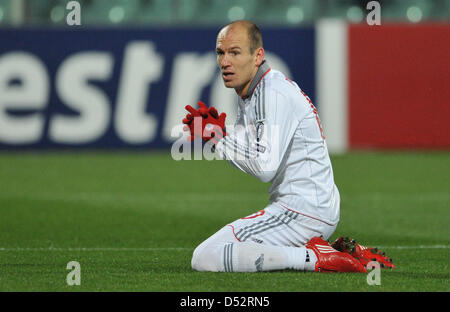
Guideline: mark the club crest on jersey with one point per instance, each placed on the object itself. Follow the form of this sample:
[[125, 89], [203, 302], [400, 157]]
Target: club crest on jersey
[[259, 134], [259, 130]]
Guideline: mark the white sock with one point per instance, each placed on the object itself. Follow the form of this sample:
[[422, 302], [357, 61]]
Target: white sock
[[311, 259], [302, 258], [251, 257]]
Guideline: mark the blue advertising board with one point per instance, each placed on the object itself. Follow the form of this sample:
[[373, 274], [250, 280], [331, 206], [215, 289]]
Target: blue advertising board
[[122, 88]]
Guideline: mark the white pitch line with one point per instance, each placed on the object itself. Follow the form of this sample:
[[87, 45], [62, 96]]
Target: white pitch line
[[417, 247], [93, 249], [175, 248]]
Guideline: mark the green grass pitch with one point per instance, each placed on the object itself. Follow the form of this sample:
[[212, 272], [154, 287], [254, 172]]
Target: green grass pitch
[[132, 220]]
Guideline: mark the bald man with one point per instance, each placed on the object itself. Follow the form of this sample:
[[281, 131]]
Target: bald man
[[277, 138]]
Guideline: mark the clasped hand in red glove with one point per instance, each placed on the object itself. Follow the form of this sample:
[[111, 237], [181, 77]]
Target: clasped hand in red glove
[[212, 125]]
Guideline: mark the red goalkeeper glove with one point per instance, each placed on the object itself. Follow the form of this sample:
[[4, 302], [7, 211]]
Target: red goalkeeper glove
[[212, 125]]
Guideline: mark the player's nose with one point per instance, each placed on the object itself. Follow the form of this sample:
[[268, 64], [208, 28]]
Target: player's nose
[[224, 62]]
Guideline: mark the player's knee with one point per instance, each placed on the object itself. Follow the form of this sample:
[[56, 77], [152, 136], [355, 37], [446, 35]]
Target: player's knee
[[203, 259], [198, 261], [195, 261], [207, 256]]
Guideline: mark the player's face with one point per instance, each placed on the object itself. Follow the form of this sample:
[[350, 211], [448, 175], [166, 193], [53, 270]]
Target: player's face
[[237, 65]]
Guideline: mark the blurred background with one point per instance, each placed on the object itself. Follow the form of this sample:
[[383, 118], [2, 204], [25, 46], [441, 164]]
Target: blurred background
[[118, 73], [216, 12]]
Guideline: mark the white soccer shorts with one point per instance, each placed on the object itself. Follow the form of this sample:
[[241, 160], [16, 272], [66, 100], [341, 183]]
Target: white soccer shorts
[[279, 226]]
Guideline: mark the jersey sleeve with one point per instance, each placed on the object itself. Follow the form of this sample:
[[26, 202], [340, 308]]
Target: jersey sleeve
[[258, 148]]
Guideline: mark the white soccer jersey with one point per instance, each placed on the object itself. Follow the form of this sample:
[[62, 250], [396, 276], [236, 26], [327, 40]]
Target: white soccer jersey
[[278, 138]]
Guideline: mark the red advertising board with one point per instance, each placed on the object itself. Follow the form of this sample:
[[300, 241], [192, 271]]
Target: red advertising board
[[399, 86]]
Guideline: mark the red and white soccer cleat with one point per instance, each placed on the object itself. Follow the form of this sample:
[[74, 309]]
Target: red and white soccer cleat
[[331, 260], [362, 253]]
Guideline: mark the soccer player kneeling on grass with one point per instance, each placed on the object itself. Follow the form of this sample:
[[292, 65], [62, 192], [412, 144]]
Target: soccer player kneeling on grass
[[277, 138]]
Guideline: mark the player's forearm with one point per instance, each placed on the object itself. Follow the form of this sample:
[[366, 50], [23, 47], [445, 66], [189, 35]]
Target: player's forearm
[[255, 160]]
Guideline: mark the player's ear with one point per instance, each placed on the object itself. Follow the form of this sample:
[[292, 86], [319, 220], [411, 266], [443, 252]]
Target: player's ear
[[259, 56]]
